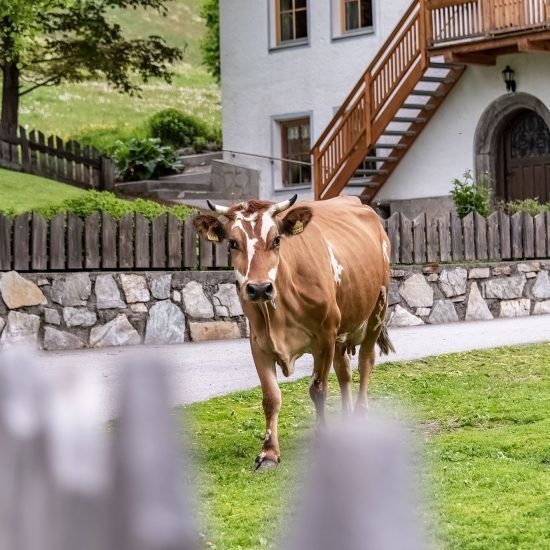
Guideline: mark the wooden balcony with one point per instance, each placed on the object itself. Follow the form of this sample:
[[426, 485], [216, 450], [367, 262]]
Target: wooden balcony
[[477, 31]]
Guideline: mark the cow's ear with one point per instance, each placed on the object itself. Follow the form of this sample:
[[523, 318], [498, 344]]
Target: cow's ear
[[296, 221], [209, 228]]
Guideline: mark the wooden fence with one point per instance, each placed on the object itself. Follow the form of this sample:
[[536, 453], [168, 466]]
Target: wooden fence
[[31, 243], [71, 163]]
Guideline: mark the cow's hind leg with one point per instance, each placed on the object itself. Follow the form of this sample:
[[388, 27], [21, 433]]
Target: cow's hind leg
[[342, 367], [269, 456], [318, 386]]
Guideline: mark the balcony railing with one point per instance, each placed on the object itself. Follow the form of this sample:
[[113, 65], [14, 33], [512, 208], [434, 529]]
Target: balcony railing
[[459, 20]]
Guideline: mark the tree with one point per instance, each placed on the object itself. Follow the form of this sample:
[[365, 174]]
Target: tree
[[46, 42], [210, 44]]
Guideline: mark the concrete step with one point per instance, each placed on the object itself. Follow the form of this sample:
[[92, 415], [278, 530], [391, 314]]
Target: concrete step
[[204, 159]]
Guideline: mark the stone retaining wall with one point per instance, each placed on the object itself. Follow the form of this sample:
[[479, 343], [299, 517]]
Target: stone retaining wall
[[77, 310]]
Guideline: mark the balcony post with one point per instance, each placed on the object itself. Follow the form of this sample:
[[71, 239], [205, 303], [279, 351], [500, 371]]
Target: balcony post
[[316, 173], [369, 108], [488, 16]]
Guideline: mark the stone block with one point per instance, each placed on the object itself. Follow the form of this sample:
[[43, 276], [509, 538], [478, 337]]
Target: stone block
[[530, 275], [18, 292], [214, 330], [160, 286], [525, 267], [477, 308], [118, 332], [432, 278], [166, 324], [453, 281], [417, 292], [227, 302], [402, 318], [506, 288], [515, 308], [443, 312], [2, 325], [541, 288], [52, 316], [42, 281], [501, 270], [176, 296], [79, 317], [135, 288], [422, 311], [397, 273], [542, 308], [22, 329], [107, 293], [196, 304], [72, 290], [58, 340], [139, 308], [430, 269], [479, 273], [393, 295]]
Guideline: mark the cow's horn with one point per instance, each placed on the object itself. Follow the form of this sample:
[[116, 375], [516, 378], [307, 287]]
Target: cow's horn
[[282, 206], [217, 208]]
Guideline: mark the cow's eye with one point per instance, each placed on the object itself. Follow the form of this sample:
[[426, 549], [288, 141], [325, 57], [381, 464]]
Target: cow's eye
[[233, 244], [276, 241]]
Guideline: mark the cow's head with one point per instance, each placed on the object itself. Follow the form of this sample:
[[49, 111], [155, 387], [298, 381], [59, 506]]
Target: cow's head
[[255, 234]]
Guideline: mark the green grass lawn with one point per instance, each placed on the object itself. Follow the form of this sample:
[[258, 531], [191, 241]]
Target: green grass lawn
[[485, 420], [22, 192]]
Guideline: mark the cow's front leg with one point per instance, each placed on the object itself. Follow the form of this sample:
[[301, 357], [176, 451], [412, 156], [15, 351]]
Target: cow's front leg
[[270, 454], [318, 386]]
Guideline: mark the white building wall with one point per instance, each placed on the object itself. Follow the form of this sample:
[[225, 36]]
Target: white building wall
[[445, 149], [260, 83]]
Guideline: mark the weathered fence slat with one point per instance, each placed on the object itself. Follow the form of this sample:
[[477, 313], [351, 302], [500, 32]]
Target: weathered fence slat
[[39, 256], [528, 236], [142, 242], [419, 239], [206, 251], [516, 224], [222, 254], [505, 239], [457, 242], [174, 229], [393, 235], [158, 242], [126, 242], [57, 242], [190, 245], [432, 240], [5, 243], [91, 241], [75, 233], [493, 237], [469, 237], [540, 235], [21, 256], [406, 240], [445, 246], [480, 236], [108, 241]]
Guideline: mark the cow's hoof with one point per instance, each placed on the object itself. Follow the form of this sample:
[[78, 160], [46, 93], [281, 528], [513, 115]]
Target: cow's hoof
[[265, 463]]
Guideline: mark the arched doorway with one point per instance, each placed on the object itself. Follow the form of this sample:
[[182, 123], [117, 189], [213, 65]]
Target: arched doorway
[[523, 164]]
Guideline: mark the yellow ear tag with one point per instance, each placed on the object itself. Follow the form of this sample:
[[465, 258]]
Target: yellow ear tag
[[212, 236], [298, 228]]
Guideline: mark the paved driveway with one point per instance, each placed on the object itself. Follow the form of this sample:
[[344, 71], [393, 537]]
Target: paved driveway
[[200, 371]]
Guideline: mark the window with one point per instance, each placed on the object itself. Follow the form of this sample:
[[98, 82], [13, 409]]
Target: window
[[296, 145], [356, 15], [291, 20]]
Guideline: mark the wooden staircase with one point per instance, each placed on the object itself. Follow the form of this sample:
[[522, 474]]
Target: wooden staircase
[[407, 81]]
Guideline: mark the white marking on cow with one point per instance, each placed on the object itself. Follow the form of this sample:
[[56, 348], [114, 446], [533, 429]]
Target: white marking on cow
[[272, 273], [240, 277], [250, 251], [385, 251], [337, 268], [267, 223]]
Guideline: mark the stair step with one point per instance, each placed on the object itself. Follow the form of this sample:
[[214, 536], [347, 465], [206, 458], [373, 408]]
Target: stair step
[[417, 106], [380, 159], [399, 133], [389, 146], [357, 182], [411, 119], [441, 65], [440, 79], [376, 172], [427, 93]]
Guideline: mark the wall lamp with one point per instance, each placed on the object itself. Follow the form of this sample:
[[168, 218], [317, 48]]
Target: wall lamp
[[508, 75]]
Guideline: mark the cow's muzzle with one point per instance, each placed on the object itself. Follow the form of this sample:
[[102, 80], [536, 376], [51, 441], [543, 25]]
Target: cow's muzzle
[[259, 292]]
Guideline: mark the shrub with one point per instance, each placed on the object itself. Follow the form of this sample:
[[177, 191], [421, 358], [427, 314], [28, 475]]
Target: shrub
[[105, 138], [103, 201], [144, 158], [200, 145], [529, 206], [471, 196], [175, 128]]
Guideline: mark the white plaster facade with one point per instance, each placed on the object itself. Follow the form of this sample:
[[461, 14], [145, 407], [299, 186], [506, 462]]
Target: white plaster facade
[[262, 84]]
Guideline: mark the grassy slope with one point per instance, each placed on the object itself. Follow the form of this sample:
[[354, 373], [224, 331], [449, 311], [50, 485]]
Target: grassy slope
[[485, 417], [23, 192], [71, 109]]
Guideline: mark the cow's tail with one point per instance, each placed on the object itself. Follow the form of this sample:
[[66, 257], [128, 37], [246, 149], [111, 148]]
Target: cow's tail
[[384, 341]]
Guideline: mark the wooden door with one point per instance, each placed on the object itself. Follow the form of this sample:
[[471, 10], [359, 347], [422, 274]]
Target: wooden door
[[525, 159]]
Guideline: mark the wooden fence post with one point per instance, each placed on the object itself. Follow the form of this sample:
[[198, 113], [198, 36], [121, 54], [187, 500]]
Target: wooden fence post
[[107, 174]]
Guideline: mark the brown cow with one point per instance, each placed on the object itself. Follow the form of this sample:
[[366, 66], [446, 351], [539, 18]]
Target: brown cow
[[313, 278]]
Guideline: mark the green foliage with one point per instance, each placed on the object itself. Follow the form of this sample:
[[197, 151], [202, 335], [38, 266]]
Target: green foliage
[[200, 145], [471, 196], [484, 417], [105, 138], [175, 128], [144, 158], [102, 201], [529, 206], [210, 44]]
